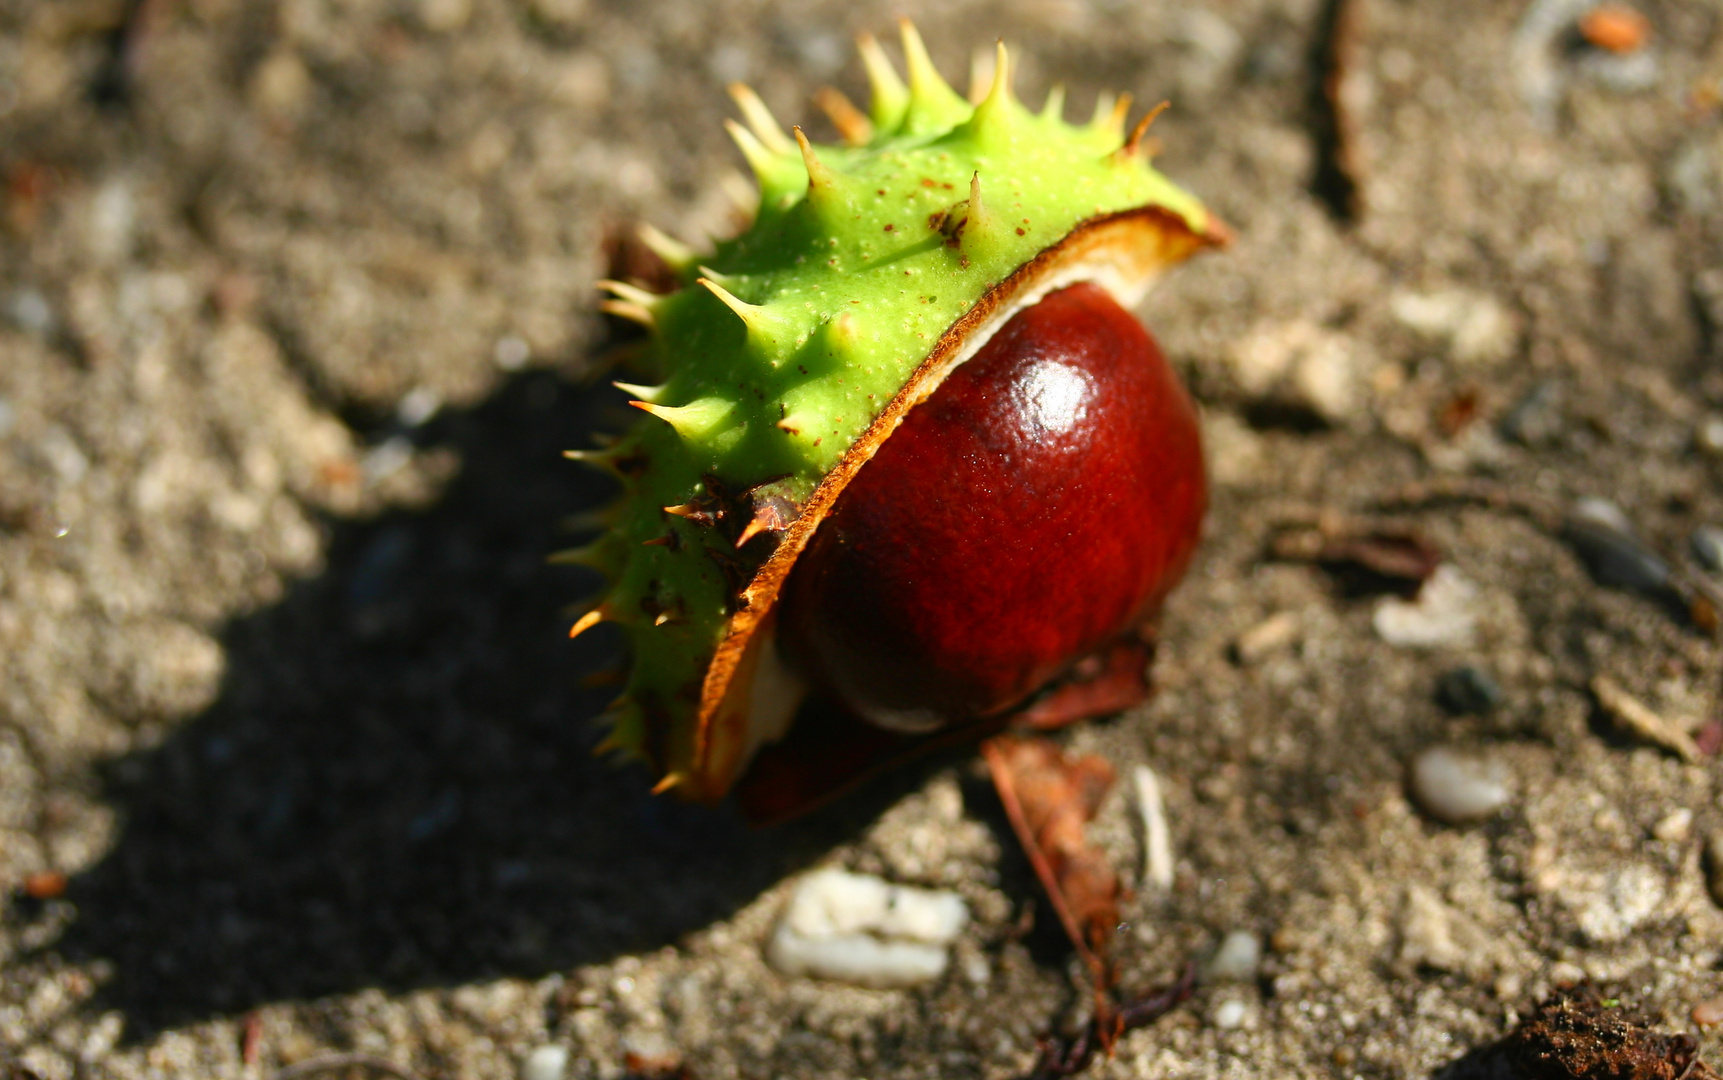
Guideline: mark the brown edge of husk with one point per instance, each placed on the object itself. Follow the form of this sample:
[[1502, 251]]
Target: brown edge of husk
[[1161, 239]]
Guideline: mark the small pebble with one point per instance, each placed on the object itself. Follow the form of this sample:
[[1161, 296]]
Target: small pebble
[[1441, 615], [547, 1062], [652, 1050], [30, 311], [1301, 366], [1566, 973], [386, 459], [1604, 539], [1615, 28], [512, 352], [1237, 959], [860, 929], [1615, 908], [1230, 1014], [1714, 867], [1474, 324], [1709, 1013], [1467, 691], [45, 885], [1708, 436], [1707, 545], [280, 85], [1674, 826], [1536, 419], [1600, 512], [1456, 789], [417, 406], [1508, 986], [110, 221], [976, 969], [1325, 379], [1267, 637]]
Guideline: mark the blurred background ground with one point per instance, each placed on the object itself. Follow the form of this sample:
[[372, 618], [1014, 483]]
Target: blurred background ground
[[296, 313]]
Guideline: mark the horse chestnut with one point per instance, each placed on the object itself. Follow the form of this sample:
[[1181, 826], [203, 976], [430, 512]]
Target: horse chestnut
[[909, 449], [1037, 506]]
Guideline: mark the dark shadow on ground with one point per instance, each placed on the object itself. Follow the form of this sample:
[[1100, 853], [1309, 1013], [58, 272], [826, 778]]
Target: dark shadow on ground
[[396, 786]]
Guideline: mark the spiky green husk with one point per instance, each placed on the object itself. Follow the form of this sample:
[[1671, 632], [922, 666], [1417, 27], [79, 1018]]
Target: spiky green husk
[[790, 340]]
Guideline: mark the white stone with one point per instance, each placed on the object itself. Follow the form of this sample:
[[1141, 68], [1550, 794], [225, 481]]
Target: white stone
[[418, 405], [512, 352], [1237, 959], [386, 459], [1230, 1014], [1235, 452], [1475, 326], [1314, 367], [1595, 511], [1674, 827], [547, 1062], [110, 221], [1427, 932], [1157, 839], [1456, 789], [1611, 910], [1326, 378], [860, 929], [1442, 614]]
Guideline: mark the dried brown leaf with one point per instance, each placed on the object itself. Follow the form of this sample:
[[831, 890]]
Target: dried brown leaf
[[1049, 797]]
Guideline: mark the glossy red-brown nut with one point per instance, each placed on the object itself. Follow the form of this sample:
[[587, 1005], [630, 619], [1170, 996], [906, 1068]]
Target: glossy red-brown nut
[[1038, 506]]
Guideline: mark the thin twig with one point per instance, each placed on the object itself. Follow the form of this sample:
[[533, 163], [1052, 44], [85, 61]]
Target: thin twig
[[1424, 494], [1339, 179], [1070, 1058]]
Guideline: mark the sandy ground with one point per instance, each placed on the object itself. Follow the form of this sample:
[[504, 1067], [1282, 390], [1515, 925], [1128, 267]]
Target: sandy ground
[[296, 312]]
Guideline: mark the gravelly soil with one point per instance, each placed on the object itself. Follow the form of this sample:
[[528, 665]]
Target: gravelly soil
[[297, 314]]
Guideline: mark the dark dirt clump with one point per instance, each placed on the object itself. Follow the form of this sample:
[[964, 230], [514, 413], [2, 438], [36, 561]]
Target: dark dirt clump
[[1575, 1034]]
